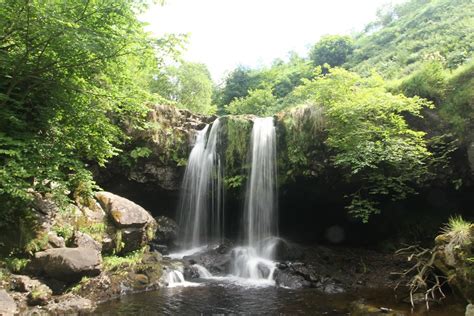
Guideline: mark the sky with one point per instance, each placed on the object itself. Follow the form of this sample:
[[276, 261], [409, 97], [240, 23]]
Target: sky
[[227, 33]]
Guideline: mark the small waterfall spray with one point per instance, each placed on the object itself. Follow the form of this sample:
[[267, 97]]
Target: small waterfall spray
[[201, 212]]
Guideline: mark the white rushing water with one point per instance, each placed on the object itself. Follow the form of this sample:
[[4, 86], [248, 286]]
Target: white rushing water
[[261, 213], [201, 212], [175, 278], [261, 209], [203, 272]]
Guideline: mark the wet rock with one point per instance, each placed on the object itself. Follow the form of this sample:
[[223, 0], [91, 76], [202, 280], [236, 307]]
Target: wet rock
[[55, 241], [263, 269], [68, 264], [299, 275], [167, 230], [212, 260], [191, 272], [85, 241], [7, 304], [39, 295], [284, 278]]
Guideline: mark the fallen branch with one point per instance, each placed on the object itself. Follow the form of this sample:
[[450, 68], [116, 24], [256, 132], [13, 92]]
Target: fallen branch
[[423, 274]]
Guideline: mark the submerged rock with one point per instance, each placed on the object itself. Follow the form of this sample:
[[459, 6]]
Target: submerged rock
[[360, 308], [68, 264]]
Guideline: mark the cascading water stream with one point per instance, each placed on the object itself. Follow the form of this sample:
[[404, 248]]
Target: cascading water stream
[[261, 214], [261, 210], [201, 212]]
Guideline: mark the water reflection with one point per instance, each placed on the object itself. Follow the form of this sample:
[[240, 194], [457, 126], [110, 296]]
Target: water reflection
[[219, 297]]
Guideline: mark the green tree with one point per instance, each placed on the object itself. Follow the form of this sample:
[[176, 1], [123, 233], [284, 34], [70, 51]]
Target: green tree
[[369, 135], [74, 76], [237, 85], [191, 87], [258, 102], [332, 50]]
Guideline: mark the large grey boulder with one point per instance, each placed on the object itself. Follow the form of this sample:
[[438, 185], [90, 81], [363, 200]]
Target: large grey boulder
[[68, 264], [123, 212], [135, 226], [7, 304]]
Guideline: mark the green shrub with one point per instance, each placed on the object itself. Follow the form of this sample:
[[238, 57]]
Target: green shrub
[[429, 82]]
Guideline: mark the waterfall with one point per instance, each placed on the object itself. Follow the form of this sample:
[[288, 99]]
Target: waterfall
[[201, 212], [175, 278], [261, 213]]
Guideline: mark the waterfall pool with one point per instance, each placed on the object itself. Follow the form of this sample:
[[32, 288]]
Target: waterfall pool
[[224, 297]]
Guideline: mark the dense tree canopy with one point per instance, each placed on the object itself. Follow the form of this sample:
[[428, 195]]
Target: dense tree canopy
[[74, 75], [189, 85], [332, 50]]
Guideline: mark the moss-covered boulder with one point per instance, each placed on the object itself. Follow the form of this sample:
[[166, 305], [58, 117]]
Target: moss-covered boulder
[[134, 226], [455, 258]]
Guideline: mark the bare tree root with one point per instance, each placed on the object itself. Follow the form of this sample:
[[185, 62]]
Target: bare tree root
[[423, 276]]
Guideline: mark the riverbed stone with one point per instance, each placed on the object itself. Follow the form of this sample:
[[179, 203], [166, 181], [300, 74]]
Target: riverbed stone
[[68, 264], [7, 304]]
